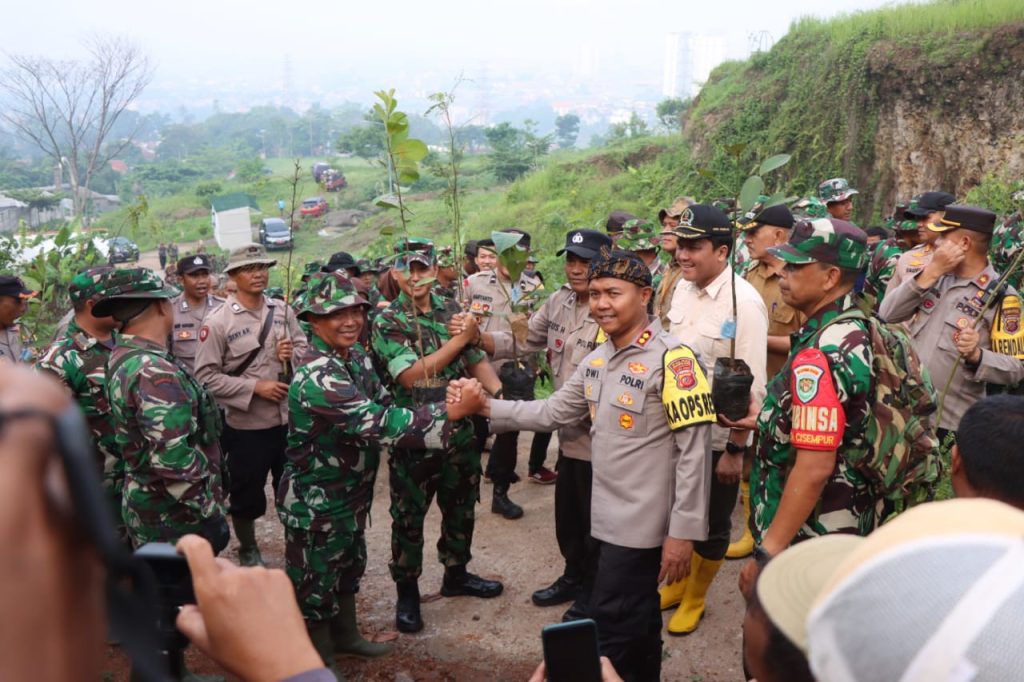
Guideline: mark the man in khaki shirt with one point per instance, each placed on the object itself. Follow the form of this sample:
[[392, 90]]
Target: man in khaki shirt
[[191, 306], [487, 293], [770, 228], [244, 369], [564, 326], [926, 209], [14, 296], [943, 301], [669, 219], [703, 318], [651, 480]]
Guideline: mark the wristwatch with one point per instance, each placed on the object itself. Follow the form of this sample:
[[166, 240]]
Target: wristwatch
[[733, 449]]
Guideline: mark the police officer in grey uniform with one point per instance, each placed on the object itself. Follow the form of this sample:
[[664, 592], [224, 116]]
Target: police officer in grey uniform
[[564, 327], [488, 300], [14, 296], [944, 300], [191, 306], [650, 406], [245, 346]]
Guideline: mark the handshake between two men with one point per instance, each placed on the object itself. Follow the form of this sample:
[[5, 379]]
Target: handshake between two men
[[467, 397]]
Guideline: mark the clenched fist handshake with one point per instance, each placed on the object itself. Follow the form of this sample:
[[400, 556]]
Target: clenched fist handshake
[[466, 397]]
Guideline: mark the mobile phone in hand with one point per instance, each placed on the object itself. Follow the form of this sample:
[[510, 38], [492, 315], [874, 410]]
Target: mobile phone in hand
[[173, 577], [571, 653]]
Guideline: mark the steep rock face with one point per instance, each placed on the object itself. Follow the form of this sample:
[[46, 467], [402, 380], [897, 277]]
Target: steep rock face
[[947, 125]]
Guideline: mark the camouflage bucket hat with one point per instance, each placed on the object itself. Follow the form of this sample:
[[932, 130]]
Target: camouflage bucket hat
[[328, 292], [825, 240], [639, 235], [619, 264], [836, 189], [132, 283], [91, 284], [445, 258]]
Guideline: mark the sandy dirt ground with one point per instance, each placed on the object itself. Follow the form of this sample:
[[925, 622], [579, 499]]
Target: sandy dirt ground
[[499, 639]]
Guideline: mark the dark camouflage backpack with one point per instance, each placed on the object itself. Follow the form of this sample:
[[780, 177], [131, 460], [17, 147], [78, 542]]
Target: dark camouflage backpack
[[903, 461]]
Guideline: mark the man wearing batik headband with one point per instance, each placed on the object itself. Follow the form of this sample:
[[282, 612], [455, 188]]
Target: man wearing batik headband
[[651, 412], [943, 304], [818, 406]]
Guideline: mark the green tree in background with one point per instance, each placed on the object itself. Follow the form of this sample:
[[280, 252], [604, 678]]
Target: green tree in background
[[670, 112], [567, 129], [363, 141], [509, 156]]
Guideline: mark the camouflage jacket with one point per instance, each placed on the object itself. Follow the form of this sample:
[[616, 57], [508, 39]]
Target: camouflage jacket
[[168, 431], [394, 340], [880, 269], [847, 503], [1006, 244], [79, 361], [340, 415]]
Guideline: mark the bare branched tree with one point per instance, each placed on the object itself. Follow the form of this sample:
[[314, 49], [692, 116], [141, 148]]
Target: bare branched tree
[[68, 108]]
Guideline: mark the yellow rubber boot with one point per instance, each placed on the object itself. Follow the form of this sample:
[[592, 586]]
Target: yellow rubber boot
[[672, 595], [743, 547], [687, 617]]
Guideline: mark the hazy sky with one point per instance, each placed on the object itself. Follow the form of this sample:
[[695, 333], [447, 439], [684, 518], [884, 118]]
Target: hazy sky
[[227, 42]]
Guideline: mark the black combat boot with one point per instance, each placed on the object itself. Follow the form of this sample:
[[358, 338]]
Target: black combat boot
[[407, 608], [459, 582], [500, 504]]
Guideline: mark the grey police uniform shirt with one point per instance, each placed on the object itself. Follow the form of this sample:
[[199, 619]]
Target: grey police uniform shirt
[[649, 481], [936, 315], [188, 320], [11, 346], [563, 326], [228, 335], [488, 302]]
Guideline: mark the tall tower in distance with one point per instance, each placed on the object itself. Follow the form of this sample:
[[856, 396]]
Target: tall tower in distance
[[689, 59]]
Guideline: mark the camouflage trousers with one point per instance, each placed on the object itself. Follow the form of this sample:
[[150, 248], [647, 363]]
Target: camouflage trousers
[[323, 565], [415, 476]]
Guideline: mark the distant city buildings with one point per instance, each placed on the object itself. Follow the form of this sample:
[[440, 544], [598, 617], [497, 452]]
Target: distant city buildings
[[689, 59]]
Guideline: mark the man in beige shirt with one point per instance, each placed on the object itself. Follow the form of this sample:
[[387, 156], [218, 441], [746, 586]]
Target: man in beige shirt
[[14, 297], [244, 347], [703, 318], [191, 306], [926, 209], [651, 476], [669, 219]]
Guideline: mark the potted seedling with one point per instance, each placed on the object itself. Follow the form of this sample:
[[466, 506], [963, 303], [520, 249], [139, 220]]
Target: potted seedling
[[516, 376]]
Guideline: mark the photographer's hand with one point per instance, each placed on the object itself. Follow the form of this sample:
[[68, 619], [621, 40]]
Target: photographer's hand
[[246, 619]]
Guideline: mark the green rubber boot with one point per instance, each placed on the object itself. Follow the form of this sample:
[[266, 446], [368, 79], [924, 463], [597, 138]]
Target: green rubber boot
[[348, 641], [248, 551]]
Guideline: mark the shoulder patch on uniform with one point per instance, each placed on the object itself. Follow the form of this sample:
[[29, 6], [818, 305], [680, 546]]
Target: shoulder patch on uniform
[[685, 391], [818, 416], [204, 332], [236, 308]]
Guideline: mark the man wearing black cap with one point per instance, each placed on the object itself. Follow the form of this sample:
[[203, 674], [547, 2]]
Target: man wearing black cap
[[613, 226], [702, 316], [563, 325], [943, 303], [488, 294], [927, 210], [342, 260], [191, 308], [650, 408], [14, 296]]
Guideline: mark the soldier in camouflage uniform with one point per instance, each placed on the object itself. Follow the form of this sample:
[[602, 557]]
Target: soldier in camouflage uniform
[[416, 474], [837, 196], [819, 404], [79, 360], [447, 278], [641, 237], [340, 415], [926, 209], [168, 426], [885, 256]]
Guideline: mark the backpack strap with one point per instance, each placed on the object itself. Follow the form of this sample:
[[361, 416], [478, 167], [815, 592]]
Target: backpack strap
[[251, 357]]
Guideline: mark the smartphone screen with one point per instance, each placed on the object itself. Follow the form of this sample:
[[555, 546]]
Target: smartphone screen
[[571, 653]]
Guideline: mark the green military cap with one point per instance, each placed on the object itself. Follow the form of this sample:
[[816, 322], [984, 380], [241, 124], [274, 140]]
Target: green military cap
[[275, 292], [444, 257], [834, 190], [414, 249], [639, 235], [825, 240], [91, 283], [702, 221], [810, 208], [251, 254], [311, 268], [132, 283], [619, 264], [328, 292]]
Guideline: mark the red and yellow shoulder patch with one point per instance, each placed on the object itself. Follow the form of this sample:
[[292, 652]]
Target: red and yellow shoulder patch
[[818, 417]]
